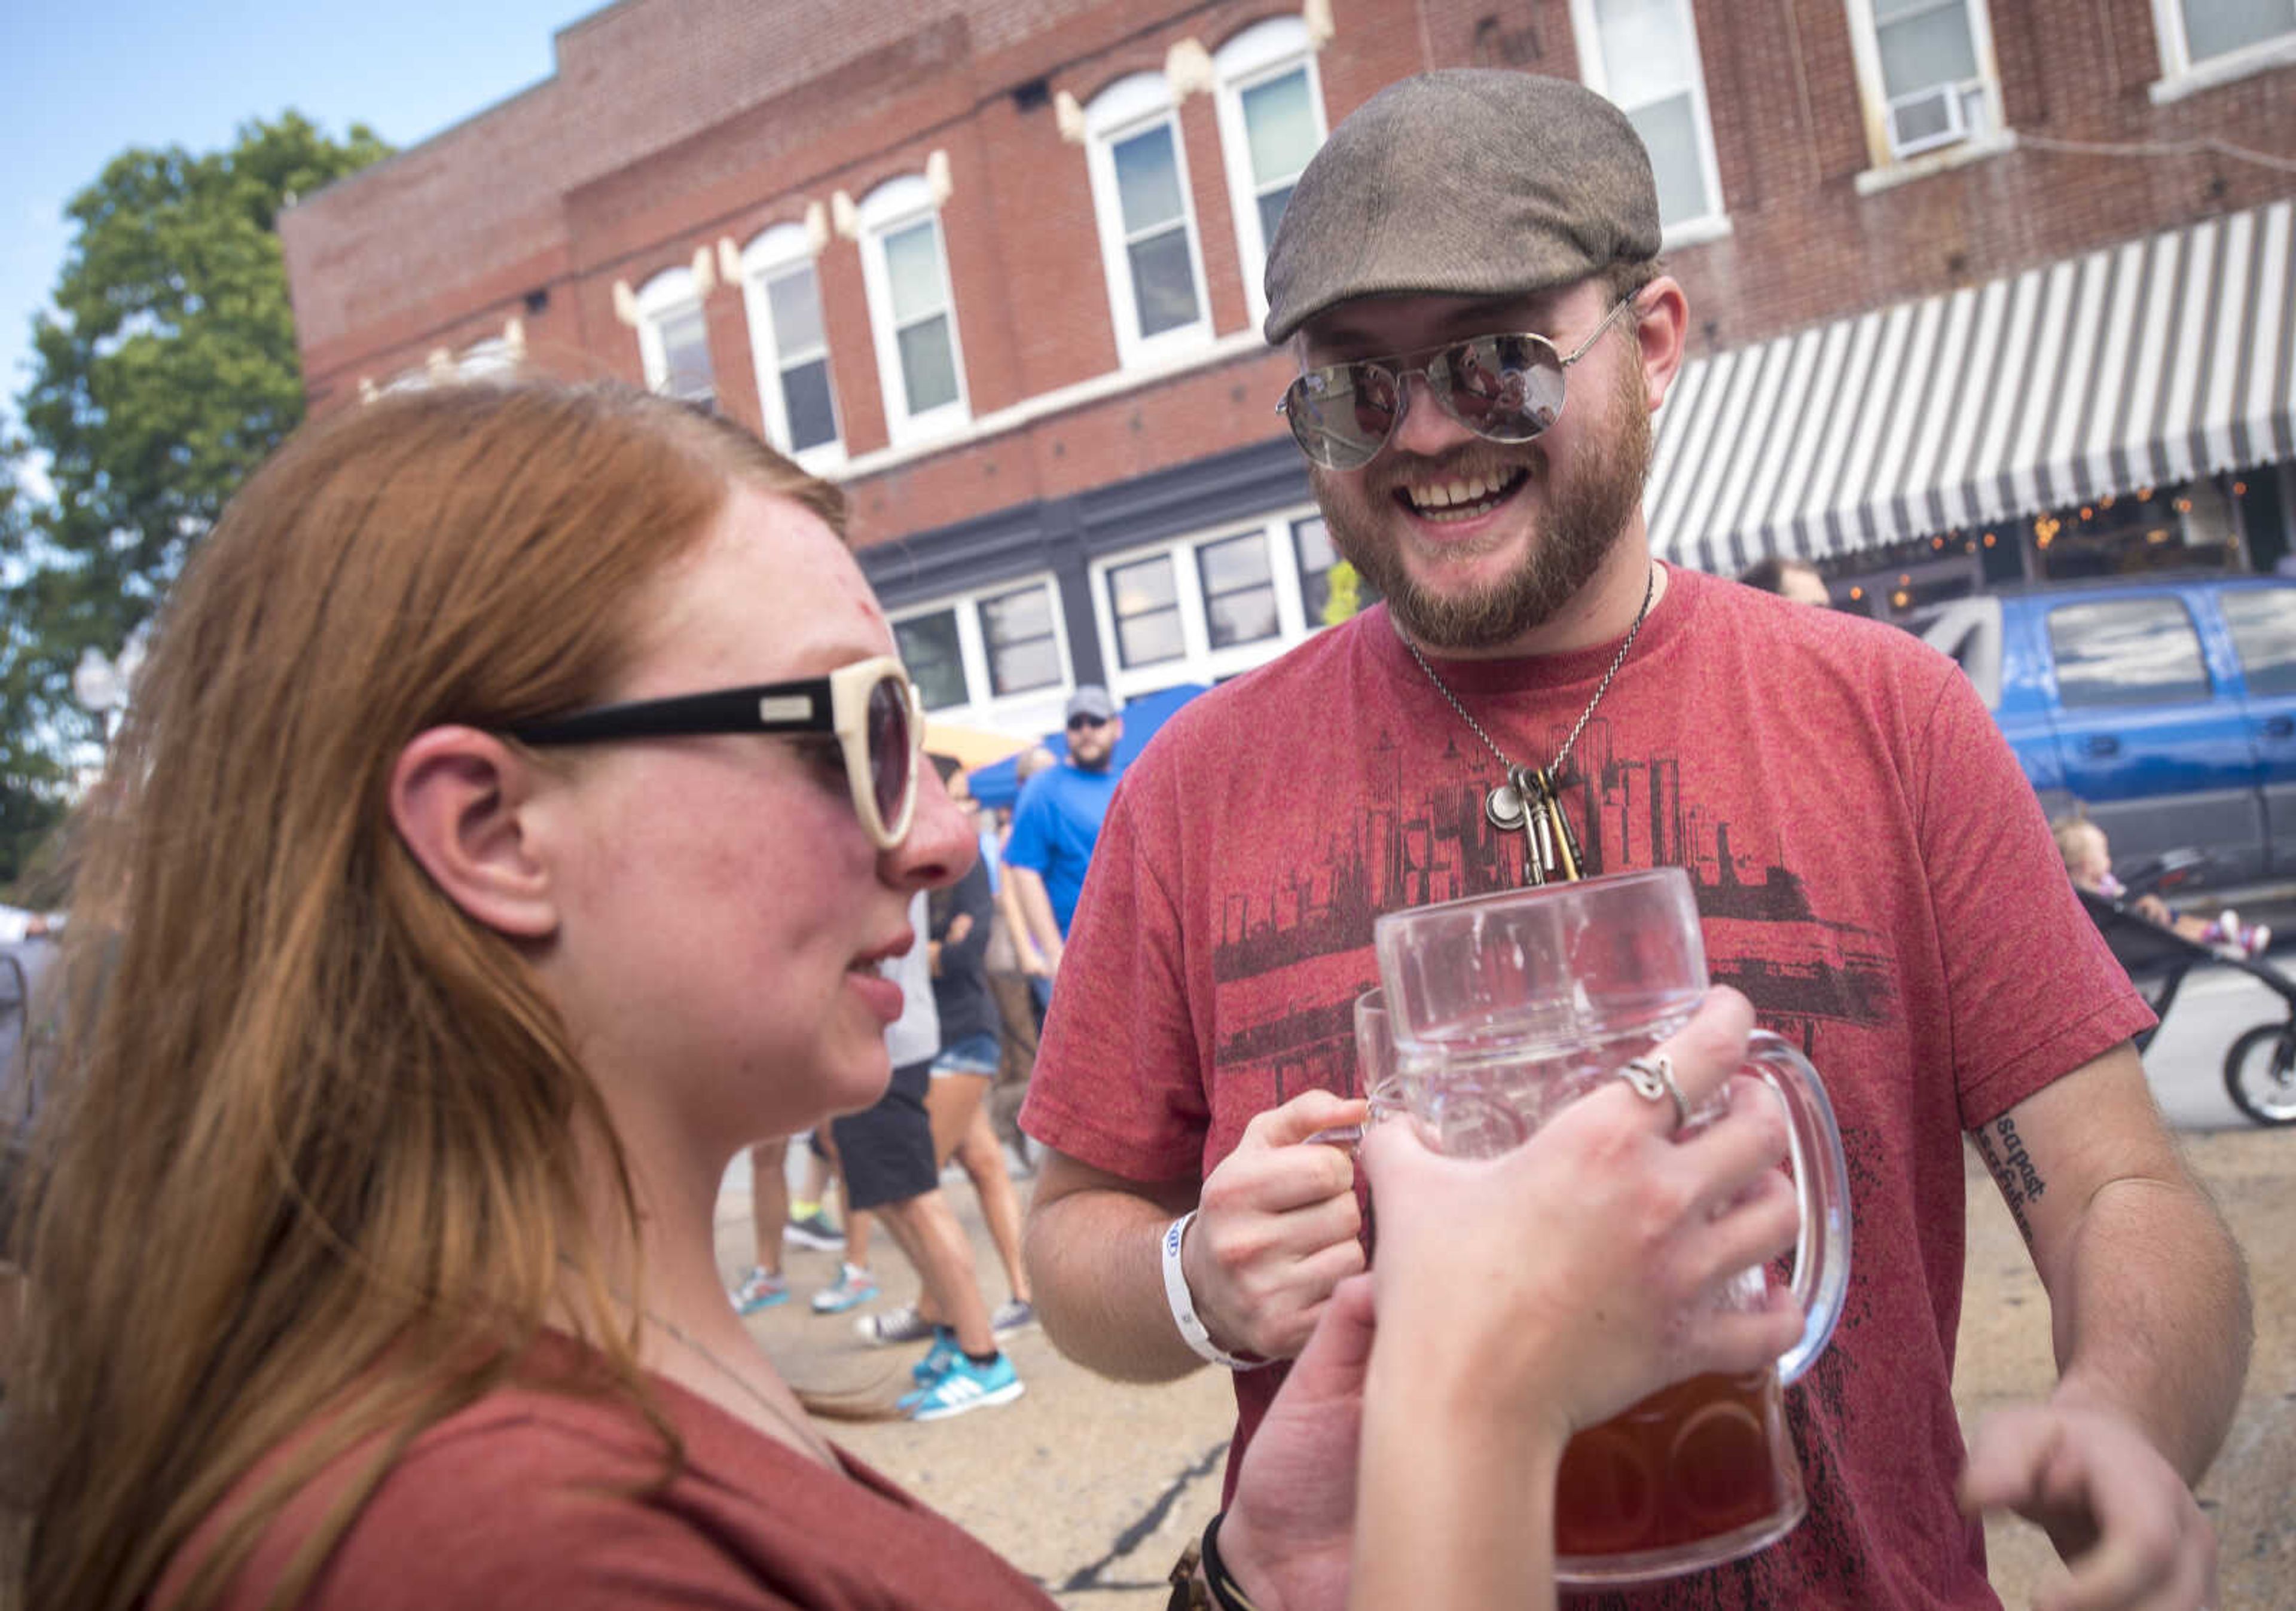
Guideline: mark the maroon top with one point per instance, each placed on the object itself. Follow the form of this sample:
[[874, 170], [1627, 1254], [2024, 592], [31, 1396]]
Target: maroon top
[[536, 1500]]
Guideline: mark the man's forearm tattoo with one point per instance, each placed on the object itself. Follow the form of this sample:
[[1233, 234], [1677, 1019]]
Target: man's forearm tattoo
[[2013, 1169]]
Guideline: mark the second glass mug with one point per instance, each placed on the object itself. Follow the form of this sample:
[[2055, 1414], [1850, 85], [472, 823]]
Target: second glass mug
[[1501, 1009]]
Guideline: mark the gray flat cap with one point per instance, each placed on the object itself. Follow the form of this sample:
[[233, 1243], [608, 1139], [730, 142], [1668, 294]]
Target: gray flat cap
[[1470, 181]]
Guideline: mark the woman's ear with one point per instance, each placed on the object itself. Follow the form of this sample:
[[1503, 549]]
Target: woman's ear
[[458, 798]]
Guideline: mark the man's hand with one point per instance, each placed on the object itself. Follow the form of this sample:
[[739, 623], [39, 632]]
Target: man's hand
[[2117, 1511], [1276, 1229], [1291, 1526]]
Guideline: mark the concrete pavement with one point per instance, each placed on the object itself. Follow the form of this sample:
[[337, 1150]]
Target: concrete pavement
[[1093, 1487]]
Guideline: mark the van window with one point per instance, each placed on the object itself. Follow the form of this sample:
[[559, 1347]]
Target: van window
[[2126, 651], [2263, 622]]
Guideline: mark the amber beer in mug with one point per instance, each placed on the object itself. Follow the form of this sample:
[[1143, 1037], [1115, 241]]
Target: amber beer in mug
[[1503, 1009]]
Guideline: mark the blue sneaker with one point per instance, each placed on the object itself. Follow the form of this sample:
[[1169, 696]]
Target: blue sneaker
[[963, 1388], [760, 1289], [854, 1285], [935, 1365]]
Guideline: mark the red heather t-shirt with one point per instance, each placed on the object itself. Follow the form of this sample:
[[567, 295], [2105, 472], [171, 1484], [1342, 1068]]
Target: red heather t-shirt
[[1871, 869], [532, 1501]]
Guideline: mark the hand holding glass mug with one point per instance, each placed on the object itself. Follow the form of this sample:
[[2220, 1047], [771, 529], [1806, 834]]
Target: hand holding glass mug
[[1598, 1247], [1276, 1229], [1507, 1015]]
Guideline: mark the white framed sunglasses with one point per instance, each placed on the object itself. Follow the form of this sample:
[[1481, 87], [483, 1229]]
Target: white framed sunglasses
[[871, 707]]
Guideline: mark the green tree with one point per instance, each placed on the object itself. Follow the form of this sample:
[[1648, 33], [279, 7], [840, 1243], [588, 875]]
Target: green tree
[[165, 372]]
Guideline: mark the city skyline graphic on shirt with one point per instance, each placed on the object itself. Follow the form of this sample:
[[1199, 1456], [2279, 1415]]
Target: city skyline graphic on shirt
[[1416, 847]]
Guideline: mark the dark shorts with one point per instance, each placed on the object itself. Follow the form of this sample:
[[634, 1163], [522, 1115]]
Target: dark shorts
[[887, 1150]]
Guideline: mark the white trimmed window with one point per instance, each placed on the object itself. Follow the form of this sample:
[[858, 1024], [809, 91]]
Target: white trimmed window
[[1271, 118], [1148, 244], [789, 347], [1210, 605], [1926, 67], [911, 311], [674, 338], [2210, 36], [1642, 56], [987, 653]]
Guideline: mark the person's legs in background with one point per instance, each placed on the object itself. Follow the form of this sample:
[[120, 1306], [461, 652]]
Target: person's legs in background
[[961, 1129], [810, 1222], [765, 1285], [891, 1170], [854, 1285]]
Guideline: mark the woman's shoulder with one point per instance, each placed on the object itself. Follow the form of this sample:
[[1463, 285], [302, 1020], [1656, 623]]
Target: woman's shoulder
[[524, 1498]]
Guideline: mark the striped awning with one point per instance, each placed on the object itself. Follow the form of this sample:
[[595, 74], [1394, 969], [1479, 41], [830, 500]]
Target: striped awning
[[2141, 365]]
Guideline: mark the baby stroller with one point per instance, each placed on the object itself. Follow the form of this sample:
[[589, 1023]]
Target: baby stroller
[[2259, 1070]]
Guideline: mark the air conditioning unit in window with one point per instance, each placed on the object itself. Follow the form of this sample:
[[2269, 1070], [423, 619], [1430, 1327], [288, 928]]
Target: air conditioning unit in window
[[1926, 120]]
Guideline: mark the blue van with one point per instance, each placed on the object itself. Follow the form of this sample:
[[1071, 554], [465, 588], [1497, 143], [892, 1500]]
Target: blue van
[[2165, 704]]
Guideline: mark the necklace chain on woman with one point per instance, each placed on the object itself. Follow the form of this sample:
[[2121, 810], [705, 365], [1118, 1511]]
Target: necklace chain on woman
[[1530, 799], [812, 1441]]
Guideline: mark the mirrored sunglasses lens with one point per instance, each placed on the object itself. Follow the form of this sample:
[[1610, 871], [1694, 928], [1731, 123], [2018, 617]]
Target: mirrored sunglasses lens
[[891, 755], [1506, 389], [1341, 416]]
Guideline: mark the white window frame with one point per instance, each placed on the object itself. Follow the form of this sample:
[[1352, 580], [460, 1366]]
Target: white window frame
[[2181, 75], [1264, 51], [1198, 661], [887, 209], [491, 359], [768, 257], [1130, 106], [1865, 47], [1034, 710], [670, 291], [1587, 30]]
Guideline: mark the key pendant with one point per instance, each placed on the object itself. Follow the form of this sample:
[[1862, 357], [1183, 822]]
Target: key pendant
[[1539, 858], [1572, 859]]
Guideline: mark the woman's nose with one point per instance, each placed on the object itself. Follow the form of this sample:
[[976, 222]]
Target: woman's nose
[[940, 846]]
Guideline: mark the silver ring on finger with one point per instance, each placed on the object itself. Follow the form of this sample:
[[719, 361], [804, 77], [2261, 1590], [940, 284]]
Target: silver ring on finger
[[1653, 1077]]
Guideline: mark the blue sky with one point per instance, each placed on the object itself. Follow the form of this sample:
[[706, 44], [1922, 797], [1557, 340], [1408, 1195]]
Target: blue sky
[[81, 83]]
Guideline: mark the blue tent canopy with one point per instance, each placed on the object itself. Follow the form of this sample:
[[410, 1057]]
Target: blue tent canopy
[[998, 785]]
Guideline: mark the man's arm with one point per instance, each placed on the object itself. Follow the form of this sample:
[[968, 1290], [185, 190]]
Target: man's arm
[[1092, 1244], [2149, 1307], [1037, 907]]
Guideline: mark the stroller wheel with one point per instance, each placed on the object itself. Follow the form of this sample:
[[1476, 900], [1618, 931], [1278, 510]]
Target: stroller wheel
[[2260, 1074]]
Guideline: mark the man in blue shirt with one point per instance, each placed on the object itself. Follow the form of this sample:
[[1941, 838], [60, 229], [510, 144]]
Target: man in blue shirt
[[1056, 824]]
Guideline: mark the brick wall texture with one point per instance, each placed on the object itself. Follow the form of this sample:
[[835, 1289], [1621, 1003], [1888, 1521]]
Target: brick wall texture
[[672, 124]]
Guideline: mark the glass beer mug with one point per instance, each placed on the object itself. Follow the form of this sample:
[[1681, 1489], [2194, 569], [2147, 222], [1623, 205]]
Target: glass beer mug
[[1503, 1008]]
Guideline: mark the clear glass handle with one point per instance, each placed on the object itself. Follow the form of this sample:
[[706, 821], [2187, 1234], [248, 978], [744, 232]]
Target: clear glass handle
[[1821, 1266]]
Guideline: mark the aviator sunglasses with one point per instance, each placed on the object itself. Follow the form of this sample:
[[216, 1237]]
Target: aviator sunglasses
[[1505, 388], [870, 707]]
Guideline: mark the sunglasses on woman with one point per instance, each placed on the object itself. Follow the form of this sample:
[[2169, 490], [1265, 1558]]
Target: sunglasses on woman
[[870, 707], [1505, 388]]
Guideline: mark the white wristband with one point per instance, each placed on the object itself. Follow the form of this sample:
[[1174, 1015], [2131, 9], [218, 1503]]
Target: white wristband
[[1184, 1304]]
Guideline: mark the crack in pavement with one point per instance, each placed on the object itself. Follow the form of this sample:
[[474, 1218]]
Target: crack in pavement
[[1133, 1536]]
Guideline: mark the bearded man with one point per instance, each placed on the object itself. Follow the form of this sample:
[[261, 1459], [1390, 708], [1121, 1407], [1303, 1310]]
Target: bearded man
[[1469, 250]]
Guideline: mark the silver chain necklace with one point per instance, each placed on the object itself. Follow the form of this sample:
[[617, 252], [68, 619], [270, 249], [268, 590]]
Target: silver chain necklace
[[1530, 799], [813, 1441]]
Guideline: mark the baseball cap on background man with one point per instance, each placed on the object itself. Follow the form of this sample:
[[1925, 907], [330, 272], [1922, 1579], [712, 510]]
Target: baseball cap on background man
[[1468, 181], [1091, 700]]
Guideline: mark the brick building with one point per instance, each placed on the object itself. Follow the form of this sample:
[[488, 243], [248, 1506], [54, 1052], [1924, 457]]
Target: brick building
[[1978, 287]]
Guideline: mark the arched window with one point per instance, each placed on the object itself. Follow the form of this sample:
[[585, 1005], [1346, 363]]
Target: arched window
[[1140, 194], [789, 344], [912, 310], [674, 339], [1271, 116]]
